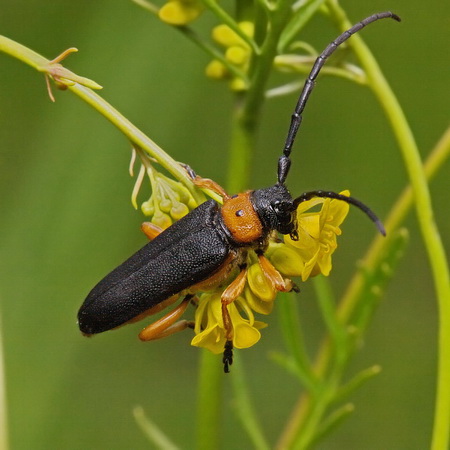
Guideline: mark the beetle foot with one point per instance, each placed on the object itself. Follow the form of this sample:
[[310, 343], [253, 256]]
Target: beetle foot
[[227, 356]]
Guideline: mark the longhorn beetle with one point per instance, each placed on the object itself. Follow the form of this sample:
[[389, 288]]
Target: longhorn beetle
[[207, 246]]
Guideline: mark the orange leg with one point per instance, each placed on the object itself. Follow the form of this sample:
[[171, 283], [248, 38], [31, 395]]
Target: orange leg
[[151, 230], [273, 276], [211, 185], [206, 183], [229, 295], [234, 290], [166, 325]]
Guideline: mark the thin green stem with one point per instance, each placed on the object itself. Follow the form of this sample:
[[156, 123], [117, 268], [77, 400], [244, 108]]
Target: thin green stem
[[153, 432], [244, 408], [225, 18], [352, 296], [81, 87], [438, 156], [3, 410], [209, 404], [204, 45], [135, 135], [249, 104], [425, 216], [295, 342], [247, 112]]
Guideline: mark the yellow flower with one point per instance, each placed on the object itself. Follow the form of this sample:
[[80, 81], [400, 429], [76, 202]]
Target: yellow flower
[[209, 328], [317, 233], [237, 52], [309, 256], [180, 12]]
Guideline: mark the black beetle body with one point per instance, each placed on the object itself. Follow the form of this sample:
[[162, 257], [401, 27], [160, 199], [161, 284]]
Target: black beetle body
[[189, 252], [165, 266]]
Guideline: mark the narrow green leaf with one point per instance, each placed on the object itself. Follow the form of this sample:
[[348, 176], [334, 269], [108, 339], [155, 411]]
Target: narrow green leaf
[[327, 305], [356, 382], [300, 18], [152, 431], [293, 337], [377, 278], [332, 422], [244, 409]]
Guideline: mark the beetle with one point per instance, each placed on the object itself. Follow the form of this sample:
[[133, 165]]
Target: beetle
[[208, 246]]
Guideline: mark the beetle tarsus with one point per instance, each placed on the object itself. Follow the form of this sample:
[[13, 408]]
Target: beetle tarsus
[[189, 170], [227, 356]]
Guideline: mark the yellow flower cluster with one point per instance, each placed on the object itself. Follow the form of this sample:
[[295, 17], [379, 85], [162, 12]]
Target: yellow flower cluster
[[237, 52], [180, 12], [307, 257]]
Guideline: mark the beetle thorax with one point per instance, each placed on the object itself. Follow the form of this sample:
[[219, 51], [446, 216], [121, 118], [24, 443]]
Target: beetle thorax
[[241, 219]]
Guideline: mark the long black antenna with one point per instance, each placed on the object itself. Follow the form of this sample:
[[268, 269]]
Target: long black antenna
[[350, 200], [284, 162]]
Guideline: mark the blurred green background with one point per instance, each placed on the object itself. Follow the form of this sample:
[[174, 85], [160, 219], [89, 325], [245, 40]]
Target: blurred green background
[[66, 220]]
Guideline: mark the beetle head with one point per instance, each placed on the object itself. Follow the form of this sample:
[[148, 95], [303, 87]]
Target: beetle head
[[275, 208]]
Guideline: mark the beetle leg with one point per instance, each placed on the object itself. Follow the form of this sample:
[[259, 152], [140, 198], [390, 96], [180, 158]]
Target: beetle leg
[[227, 356], [166, 325], [181, 325], [229, 295], [151, 230], [234, 290], [273, 276], [206, 183]]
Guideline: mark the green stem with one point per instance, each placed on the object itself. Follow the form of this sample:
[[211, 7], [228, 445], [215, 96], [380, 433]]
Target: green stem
[[245, 118], [81, 87], [189, 33], [209, 404], [352, 296], [424, 211], [133, 133], [3, 412], [225, 18], [249, 105]]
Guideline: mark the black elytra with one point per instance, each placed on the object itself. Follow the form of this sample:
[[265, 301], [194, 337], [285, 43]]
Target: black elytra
[[200, 249]]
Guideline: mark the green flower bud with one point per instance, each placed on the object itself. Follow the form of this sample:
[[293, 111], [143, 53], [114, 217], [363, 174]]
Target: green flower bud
[[162, 220], [147, 208], [178, 211], [165, 205]]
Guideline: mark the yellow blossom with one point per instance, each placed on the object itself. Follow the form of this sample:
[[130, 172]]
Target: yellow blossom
[[209, 328], [180, 12], [237, 52], [317, 233]]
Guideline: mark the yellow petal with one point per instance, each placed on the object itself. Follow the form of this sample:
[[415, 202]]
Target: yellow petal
[[287, 261], [259, 284], [245, 335], [256, 304], [212, 339]]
